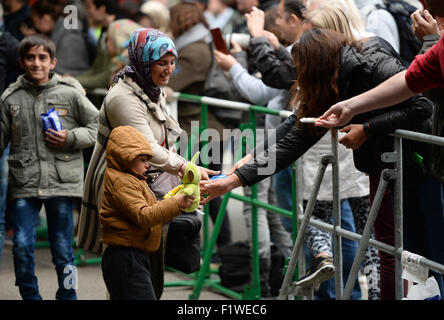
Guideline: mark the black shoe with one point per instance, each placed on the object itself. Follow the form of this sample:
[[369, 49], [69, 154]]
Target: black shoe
[[321, 269]]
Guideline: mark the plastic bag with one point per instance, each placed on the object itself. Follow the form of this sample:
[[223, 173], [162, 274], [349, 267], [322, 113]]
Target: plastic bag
[[51, 120], [427, 291]]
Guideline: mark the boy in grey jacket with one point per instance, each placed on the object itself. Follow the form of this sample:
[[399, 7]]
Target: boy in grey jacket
[[45, 167]]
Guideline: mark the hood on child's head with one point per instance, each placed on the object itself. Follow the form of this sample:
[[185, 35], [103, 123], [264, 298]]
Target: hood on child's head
[[124, 144]]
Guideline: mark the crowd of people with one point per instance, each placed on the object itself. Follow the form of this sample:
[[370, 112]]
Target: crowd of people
[[299, 55]]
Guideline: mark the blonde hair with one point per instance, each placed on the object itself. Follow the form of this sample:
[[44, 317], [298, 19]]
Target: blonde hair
[[348, 7], [331, 18], [159, 14]]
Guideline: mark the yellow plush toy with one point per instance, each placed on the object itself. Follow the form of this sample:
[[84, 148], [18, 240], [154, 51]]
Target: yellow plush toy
[[190, 184]]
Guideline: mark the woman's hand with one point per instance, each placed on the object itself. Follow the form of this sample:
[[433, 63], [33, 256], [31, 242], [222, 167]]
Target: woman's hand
[[423, 26], [205, 173], [216, 188], [240, 163], [255, 22], [355, 136], [225, 61]]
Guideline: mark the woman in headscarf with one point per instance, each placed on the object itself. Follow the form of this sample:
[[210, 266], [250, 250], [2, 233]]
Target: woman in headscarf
[[136, 98]]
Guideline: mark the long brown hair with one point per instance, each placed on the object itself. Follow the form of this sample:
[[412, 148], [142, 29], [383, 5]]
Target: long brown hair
[[317, 59]]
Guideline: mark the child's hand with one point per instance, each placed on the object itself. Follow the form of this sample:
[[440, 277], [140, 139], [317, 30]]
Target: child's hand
[[184, 201], [55, 139]]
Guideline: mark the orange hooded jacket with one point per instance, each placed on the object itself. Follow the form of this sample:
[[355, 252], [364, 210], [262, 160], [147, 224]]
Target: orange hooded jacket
[[130, 215]]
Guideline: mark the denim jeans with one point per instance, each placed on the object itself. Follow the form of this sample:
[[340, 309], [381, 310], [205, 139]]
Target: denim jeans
[[3, 191], [59, 216], [281, 182], [349, 248]]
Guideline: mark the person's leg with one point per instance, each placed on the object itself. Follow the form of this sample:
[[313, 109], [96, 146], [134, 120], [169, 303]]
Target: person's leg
[[384, 232], [127, 274], [319, 244], [349, 247], [279, 236], [360, 207], [59, 216], [281, 182], [26, 213], [3, 190], [264, 241]]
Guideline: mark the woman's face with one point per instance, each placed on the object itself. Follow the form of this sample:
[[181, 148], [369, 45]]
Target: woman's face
[[162, 69]]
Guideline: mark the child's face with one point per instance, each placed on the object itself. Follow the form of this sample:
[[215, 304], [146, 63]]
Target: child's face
[[140, 164], [37, 64]]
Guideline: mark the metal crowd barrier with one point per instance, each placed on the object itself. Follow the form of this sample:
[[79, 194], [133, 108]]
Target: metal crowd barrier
[[364, 240]]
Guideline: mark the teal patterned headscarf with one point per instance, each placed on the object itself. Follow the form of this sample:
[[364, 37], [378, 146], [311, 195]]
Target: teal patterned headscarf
[[146, 46]]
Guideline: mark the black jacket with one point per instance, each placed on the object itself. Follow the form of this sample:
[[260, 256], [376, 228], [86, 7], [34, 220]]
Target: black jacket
[[276, 66], [360, 72], [9, 66]]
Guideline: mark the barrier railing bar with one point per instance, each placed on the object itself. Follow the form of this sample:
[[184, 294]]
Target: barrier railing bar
[[398, 218], [418, 136], [337, 255], [368, 230]]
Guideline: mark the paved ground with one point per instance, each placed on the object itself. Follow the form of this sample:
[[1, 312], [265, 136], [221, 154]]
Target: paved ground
[[90, 282]]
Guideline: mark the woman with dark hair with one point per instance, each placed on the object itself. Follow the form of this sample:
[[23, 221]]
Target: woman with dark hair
[[330, 69]]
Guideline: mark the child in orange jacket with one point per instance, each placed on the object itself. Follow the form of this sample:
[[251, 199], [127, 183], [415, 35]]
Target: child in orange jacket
[[131, 217]]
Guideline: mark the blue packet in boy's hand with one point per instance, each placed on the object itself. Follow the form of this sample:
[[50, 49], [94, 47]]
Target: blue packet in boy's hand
[[51, 120], [221, 176]]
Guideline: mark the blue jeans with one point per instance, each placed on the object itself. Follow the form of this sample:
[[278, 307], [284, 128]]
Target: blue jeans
[[59, 216], [349, 248], [3, 191], [281, 183]]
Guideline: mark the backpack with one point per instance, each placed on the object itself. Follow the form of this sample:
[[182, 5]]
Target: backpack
[[409, 45]]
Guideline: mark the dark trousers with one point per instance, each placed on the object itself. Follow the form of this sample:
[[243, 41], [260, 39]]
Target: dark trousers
[[127, 274]]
